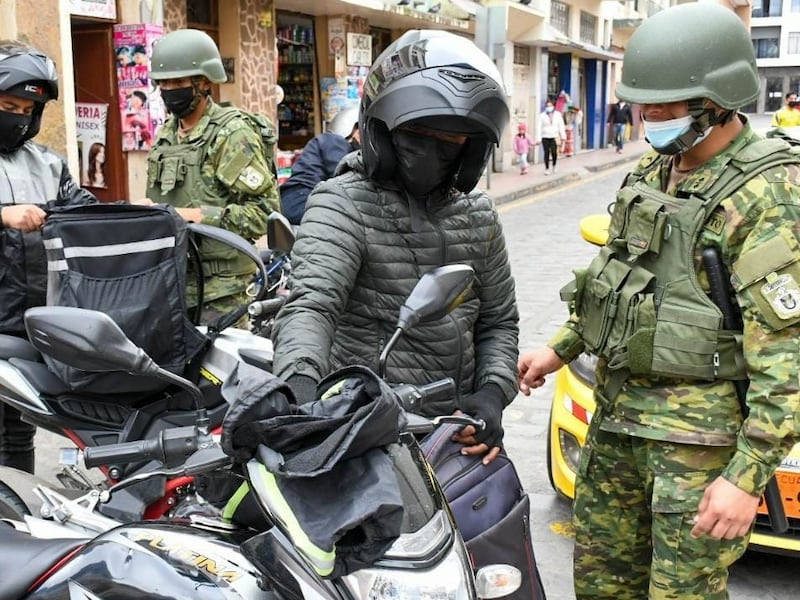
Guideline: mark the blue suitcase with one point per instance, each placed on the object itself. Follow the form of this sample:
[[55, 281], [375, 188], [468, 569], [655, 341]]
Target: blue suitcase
[[490, 507]]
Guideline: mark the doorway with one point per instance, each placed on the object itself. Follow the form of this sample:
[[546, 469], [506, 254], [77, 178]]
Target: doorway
[[96, 82]]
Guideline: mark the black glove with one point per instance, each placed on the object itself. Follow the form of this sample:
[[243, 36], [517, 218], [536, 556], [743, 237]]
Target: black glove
[[304, 388], [487, 404]]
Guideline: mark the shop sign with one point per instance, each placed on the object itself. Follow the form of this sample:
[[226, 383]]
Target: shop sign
[[90, 120], [102, 9], [359, 49]]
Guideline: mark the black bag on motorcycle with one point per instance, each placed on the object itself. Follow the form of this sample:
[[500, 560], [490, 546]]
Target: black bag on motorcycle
[[130, 263], [490, 507]]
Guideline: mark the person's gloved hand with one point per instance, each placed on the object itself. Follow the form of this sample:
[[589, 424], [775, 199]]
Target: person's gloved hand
[[487, 403], [304, 388]]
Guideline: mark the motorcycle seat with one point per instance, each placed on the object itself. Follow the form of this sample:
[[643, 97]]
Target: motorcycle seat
[[40, 377], [17, 347], [27, 558]]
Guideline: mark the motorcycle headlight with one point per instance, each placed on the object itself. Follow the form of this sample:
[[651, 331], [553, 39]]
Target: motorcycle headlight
[[447, 580], [448, 577]]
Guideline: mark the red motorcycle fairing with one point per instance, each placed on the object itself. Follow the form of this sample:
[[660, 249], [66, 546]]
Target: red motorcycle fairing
[[155, 561]]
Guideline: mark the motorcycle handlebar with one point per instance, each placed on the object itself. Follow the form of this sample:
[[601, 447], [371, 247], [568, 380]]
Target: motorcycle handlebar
[[170, 444], [412, 397], [266, 307]]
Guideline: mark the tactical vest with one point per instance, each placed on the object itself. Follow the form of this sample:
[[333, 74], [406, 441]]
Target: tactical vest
[[175, 177], [640, 305]]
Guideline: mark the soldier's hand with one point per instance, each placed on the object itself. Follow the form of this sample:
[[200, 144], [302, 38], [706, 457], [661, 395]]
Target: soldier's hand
[[725, 512], [192, 215], [142, 202], [534, 365], [25, 217]]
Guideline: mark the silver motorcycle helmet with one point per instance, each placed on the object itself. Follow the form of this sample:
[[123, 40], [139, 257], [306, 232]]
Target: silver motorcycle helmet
[[344, 122], [439, 80]]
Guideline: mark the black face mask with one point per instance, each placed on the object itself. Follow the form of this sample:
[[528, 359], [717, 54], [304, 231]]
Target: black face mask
[[425, 164], [14, 130], [179, 101]]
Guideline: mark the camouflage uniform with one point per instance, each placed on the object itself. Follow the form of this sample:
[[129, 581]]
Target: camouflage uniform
[[234, 187], [653, 449]]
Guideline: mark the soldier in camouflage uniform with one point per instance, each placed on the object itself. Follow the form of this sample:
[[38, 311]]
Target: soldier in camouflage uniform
[[672, 471], [210, 164]]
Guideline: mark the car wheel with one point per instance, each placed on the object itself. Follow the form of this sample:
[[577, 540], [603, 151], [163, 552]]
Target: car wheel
[[11, 505]]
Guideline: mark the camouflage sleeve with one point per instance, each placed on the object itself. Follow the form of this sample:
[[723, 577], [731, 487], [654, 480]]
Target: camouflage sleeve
[[241, 166], [763, 250], [566, 342]]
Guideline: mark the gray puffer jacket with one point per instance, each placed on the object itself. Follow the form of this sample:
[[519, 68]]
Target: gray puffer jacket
[[360, 250]]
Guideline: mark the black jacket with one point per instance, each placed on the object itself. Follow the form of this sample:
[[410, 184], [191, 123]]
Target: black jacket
[[620, 114], [32, 174], [316, 163]]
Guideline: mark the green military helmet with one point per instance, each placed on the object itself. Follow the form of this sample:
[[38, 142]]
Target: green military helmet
[[697, 50], [187, 53]]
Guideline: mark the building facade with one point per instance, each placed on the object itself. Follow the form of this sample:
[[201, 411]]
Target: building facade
[[775, 30]]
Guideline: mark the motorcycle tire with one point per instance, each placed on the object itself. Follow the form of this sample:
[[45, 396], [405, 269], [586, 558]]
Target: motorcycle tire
[[11, 505]]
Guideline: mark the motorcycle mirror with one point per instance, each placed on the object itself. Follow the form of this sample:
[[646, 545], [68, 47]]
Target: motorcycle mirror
[[436, 294], [280, 235], [85, 339]]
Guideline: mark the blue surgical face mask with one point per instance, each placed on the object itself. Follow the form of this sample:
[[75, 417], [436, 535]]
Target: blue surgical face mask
[[548, 109], [664, 136]]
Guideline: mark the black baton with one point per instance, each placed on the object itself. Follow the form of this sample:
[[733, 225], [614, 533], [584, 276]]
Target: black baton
[[732, 320]]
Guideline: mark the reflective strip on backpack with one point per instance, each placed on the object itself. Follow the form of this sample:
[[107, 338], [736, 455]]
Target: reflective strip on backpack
[[102, 251], [266, 486]]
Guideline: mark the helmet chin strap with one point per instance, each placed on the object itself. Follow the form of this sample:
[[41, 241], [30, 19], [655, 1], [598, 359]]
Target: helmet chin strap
[[704, 118]]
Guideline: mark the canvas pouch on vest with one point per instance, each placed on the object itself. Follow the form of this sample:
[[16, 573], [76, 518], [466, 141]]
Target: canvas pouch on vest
[[490, 507], [130, 263]]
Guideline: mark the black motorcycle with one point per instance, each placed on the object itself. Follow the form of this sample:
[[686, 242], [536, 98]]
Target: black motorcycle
[[204, 556]]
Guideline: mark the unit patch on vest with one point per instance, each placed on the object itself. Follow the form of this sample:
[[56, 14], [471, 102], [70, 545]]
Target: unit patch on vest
[[716, 222], [251, 177], [783, 295]]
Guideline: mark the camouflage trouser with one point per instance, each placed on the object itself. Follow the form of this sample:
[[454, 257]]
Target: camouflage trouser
[[635, 501]]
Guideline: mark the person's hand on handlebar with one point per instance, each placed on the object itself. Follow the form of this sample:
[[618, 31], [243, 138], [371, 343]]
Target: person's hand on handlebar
[[486, 404]]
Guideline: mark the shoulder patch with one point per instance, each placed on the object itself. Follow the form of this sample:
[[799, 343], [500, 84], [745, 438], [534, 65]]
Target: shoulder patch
[[251, 177]]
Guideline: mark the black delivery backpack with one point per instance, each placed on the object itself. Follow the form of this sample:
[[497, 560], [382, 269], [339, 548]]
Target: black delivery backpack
[[489, 505], [129, 262]]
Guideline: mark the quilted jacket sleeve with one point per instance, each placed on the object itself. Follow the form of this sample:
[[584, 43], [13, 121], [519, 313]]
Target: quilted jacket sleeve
[[326, 259]]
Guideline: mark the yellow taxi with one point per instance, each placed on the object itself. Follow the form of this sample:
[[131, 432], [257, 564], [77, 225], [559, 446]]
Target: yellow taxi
[[572, 409]]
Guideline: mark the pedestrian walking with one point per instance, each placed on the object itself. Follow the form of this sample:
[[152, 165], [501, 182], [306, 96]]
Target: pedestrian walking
[[680, 449], [522, 145], [552, 132], [621, 117]]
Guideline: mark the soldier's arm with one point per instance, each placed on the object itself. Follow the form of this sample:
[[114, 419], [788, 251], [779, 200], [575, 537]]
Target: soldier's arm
[[242, 168], [765, 257]]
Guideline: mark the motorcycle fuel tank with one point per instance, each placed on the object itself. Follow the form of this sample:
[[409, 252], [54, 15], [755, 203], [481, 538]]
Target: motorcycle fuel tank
[[156, 561]]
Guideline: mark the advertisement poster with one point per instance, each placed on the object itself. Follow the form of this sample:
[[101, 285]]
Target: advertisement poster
[[102, 9], [91, 122], [140, 103], [342, 92]]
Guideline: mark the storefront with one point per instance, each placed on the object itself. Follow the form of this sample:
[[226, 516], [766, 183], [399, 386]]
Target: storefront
[[313, 52]]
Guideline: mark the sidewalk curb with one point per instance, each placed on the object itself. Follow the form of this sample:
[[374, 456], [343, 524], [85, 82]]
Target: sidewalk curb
[[533, 188], [611, 164]]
